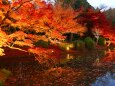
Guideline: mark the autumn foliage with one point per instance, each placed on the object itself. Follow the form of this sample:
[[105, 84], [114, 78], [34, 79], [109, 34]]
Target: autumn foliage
[[40, 17], [97, 22]]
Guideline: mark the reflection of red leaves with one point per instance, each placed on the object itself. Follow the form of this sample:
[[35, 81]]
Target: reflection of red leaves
[[62, 76], [56, 52], [49, 52], [46, 55]]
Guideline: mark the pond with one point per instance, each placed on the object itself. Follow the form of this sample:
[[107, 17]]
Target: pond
[[106, 80], [91, 68]]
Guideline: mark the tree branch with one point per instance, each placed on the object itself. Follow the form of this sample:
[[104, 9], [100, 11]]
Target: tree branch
[[17, 48], [13, 8]]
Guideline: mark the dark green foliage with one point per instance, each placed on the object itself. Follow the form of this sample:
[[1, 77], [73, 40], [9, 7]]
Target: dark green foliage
[[42, 43], [79, 45], [34, 32], [67, 1], [10, 29], [89, 43], [30, 31], [113, 22], [101, 41], [76, 4], [110, 14], [81, 3]]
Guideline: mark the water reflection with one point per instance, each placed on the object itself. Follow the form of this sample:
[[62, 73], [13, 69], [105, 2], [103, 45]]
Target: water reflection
[[107, 80], [94, 70], [96, 57], [68, 56]]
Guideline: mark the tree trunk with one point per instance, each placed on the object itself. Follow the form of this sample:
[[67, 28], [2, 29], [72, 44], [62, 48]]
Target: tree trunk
[[71, 37]]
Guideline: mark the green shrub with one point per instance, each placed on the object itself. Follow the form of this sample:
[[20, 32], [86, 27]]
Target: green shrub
[[42, 43], [79, 45], [101, 41], [89, 43], [6, 72], [63, 46], [1, 83]]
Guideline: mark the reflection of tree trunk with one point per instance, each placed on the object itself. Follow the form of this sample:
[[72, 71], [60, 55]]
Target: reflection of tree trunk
[[71, 37]]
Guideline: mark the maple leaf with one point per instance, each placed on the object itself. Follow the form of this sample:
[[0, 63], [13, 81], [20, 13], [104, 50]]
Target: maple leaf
[[1, 52]]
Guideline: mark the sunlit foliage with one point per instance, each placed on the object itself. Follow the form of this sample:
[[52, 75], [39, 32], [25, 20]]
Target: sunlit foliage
[[39, 17]]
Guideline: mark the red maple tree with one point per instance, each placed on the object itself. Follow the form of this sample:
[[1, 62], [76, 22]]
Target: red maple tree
[[37, 16]]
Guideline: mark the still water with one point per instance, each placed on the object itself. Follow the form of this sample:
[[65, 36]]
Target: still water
[[97, 68], [106, 80]]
